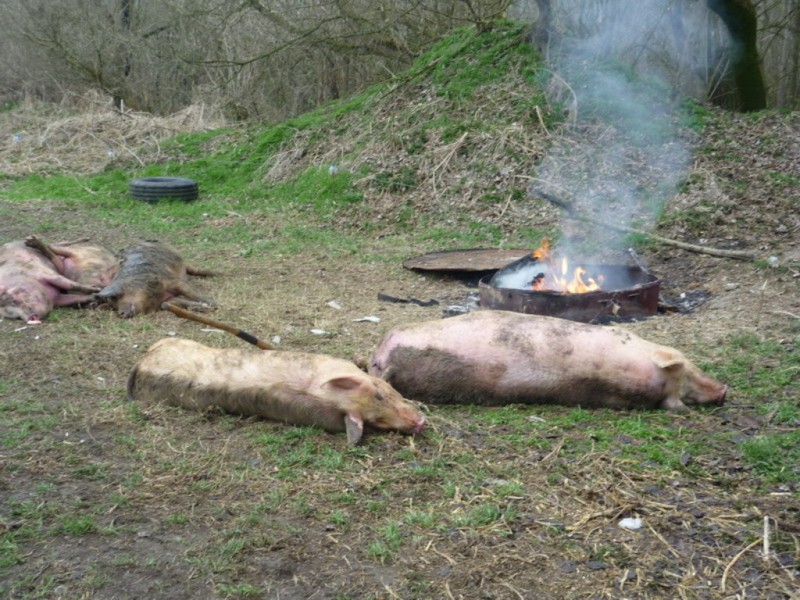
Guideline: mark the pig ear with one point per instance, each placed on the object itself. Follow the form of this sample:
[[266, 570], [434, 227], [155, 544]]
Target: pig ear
[[355, 428], [344, 383], [670, 361]]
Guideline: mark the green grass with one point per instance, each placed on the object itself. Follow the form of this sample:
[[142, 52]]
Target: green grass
[[241, 590], [775, 456], [764, 370], [469, 60], [79, 525], [389, 540]]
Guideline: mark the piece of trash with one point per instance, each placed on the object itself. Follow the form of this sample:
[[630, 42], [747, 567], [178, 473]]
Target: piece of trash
[[333, 169], [773, 261], [212, 330], [335, 304], [631, 523], [101, 378], [319, 332], [367, 319], [172, 333], [455, 309], [20, 329], [535, 419], [387, 298], [276, 339]]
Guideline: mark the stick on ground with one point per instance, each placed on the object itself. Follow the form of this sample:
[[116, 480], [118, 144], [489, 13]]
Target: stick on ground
[[721, 252], [247, 337]]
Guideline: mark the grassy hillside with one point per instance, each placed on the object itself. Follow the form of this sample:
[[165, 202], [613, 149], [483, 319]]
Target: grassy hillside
[[454, 132]]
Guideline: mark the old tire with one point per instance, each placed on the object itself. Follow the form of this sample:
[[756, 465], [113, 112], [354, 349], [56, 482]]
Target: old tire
[[153, 189]]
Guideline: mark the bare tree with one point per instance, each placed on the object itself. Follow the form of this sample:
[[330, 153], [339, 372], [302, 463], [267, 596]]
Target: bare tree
[[260, 59], [740, 53]]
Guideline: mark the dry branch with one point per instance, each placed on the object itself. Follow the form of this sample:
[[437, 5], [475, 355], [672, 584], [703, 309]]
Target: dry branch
[[247, 337], [720, 252]]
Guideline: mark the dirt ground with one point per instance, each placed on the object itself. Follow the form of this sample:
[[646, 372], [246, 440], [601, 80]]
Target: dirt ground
[[181, 505]]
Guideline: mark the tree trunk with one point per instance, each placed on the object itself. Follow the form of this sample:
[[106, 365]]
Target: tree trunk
[[125, 28], [740, 18]]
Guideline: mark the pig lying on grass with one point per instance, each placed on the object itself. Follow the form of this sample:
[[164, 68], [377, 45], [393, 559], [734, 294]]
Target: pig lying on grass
[[304, 389], [88, 264], [30, 285], [499, 357], [150, 274]]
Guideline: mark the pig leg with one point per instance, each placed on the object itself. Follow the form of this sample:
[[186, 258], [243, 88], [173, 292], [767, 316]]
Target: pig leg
[[191, 304], [47, 251], [73, 299], [200, 272], [66, 284], [183, 289], [674, 404]]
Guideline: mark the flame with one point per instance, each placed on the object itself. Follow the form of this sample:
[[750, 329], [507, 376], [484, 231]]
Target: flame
[[558, 277]]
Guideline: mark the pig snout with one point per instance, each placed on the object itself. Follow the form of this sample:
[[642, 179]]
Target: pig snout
[[420, 425], [408, 421], [699, 388]]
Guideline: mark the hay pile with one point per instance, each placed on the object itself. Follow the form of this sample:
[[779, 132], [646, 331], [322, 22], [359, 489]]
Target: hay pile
[[85, 135]]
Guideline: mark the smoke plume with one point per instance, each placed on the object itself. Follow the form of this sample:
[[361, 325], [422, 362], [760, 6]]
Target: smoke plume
[[626, 151]]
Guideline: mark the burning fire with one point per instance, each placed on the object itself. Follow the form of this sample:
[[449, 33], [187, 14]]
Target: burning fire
[[557, 278]]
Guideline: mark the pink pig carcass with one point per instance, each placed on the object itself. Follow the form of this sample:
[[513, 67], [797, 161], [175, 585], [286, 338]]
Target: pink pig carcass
[[499, 357], [294, 387], [30, 285], [88, 264]]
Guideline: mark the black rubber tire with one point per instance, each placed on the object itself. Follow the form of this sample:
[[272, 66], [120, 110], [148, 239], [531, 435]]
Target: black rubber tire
[[153, 189]]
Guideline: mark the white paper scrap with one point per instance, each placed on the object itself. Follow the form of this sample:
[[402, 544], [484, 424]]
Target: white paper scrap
[[631, 523], [368, 319]]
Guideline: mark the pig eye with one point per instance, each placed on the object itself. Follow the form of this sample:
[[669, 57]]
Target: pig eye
[[379, 396]]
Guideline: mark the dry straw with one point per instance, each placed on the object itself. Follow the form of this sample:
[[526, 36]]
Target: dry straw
[[86, 135]]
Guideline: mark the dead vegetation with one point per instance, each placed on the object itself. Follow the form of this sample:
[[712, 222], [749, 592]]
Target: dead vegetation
[[85, 135]]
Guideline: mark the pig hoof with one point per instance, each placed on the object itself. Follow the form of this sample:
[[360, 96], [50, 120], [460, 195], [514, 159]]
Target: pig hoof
[[674, 405]]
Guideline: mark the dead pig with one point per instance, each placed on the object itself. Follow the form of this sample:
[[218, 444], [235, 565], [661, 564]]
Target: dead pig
[[499, 357], [89, 264], [151, 273], [299, 388], [30, 285]]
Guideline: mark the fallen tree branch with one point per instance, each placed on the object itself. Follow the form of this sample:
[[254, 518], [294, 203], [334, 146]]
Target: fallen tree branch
[[721, 252], [192, 316]]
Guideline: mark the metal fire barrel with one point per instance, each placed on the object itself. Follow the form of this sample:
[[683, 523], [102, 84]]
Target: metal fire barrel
[[638, 299]]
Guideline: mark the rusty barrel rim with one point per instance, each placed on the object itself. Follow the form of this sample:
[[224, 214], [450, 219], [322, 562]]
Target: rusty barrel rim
[[638, 300]]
